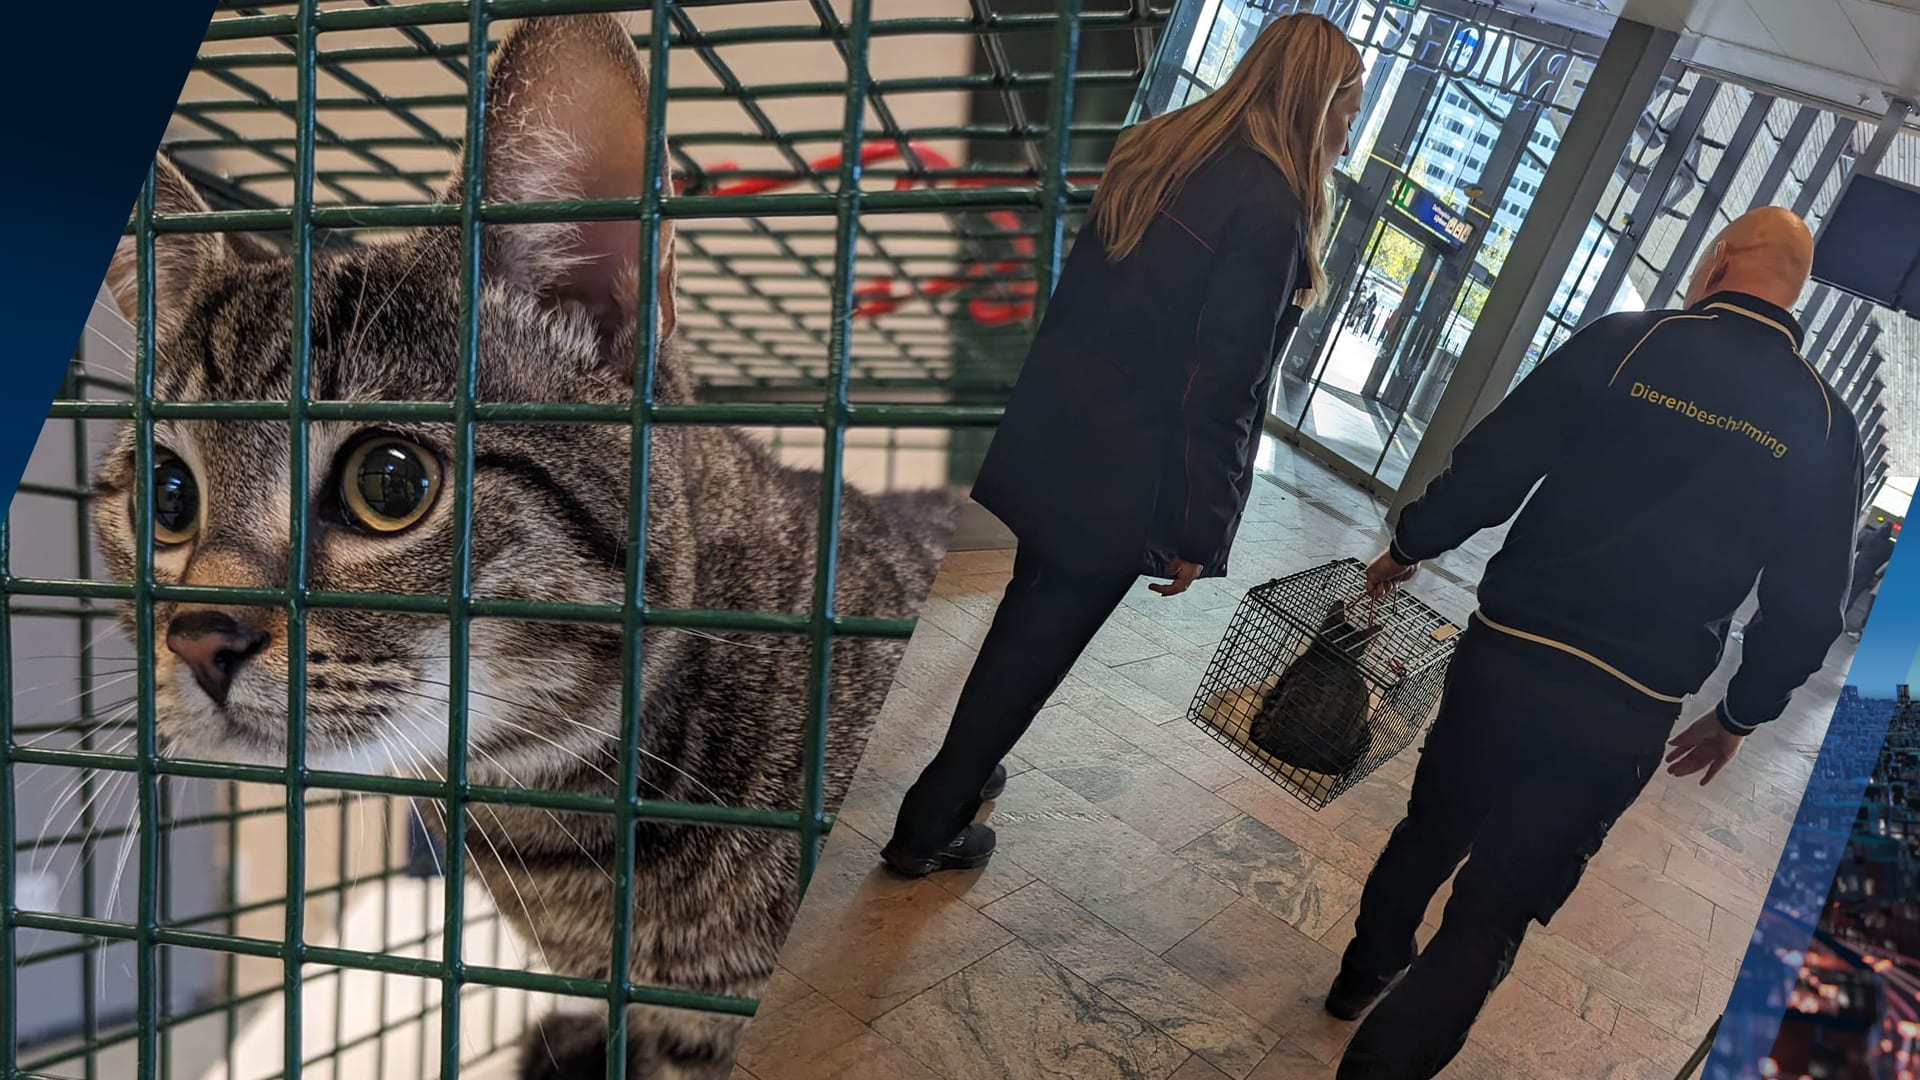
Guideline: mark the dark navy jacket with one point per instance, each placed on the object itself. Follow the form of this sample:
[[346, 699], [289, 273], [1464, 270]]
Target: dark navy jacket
[[1131, 434], [1679, 456]]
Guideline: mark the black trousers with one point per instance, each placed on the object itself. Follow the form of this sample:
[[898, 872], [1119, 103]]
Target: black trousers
[[1045, 620], [1533, 756]]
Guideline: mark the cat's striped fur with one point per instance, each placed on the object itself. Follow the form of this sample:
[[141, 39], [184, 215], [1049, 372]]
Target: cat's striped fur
[[727, 527]]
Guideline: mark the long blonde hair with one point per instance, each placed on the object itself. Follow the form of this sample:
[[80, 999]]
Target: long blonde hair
[[1277, 98]]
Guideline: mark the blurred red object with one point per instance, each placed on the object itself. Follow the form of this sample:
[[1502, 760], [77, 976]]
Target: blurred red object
[[1007, 301]]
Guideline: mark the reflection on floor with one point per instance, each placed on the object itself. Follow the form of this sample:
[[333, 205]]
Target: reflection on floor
[[1351, 426], [1157, 909]]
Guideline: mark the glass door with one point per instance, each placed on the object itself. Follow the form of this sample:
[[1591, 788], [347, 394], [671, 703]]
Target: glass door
[[1341, 395], [1462, 110]]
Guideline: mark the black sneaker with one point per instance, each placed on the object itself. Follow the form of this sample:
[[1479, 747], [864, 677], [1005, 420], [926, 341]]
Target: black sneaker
[[996, 783], [1351, 996], [967, 851]]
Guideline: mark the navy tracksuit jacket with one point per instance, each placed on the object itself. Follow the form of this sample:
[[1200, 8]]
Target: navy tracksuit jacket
[[1679, 456]]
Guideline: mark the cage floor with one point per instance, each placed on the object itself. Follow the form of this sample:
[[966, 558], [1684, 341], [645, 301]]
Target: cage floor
[[1157, 898]]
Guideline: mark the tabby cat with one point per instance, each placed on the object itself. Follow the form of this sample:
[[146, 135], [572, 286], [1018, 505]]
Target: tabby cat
[[1317, 717], [727, 527]]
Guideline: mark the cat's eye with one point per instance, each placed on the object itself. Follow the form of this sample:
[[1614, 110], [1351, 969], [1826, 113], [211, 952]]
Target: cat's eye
[[176, 501], [387, 484]]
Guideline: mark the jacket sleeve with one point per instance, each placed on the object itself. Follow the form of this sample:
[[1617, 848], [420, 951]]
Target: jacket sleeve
[[1803, 596], [1495, 468], [1250, 282]]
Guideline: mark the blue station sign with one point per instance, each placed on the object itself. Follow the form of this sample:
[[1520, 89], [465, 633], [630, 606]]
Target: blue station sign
[[1450, 229]]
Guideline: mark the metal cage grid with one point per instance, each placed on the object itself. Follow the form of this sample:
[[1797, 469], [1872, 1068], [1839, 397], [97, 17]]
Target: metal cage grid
[[954, 236], [841, 361], [1386, 658]]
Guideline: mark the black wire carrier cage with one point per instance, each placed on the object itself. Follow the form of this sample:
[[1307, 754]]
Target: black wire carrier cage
[[1317, 686]]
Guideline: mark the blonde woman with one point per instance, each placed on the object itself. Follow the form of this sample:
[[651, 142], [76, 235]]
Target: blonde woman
[[1128, 446]]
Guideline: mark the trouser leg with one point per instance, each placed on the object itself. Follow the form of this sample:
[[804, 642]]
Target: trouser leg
[[1044, 623], [1549, 813], [1443, 812]]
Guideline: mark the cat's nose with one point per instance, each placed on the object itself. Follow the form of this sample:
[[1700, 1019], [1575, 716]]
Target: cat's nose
[[213, 645]]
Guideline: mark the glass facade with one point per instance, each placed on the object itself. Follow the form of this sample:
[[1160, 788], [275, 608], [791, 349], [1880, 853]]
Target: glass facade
[[1708, 150], [1464, 111], [1461, 117]]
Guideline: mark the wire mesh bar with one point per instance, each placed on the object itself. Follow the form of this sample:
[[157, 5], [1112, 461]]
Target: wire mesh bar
[[460, 588], [361, 960], [146, 738], [1059, 143], [299, 390], [456, 11], [744, 414], [9, 887], [633, 582], [847, 215], [1316, 686], [829, 281]]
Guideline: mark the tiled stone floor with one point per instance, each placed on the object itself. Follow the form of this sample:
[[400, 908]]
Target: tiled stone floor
[[1157, 909]]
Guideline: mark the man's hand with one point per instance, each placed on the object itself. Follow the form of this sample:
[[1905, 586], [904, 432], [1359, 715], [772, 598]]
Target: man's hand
[[1183, 574], [1703, 745], [1386, 575]]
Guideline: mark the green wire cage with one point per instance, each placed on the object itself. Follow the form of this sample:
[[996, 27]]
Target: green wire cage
[[872, 198]]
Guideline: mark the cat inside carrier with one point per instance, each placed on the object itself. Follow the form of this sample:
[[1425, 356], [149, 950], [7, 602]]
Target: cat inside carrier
[[1317, 685], [505, 461]]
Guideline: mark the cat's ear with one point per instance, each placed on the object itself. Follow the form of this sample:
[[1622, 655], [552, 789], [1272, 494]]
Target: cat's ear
[[1336, 617], [567, 119], [179, 259]]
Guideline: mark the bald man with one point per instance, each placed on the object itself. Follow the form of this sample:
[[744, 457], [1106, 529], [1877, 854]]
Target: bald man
[[1673, 458]]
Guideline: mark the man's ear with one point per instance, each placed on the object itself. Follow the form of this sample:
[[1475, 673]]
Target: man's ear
[[179, 259], [1718, 268], [567, 119]]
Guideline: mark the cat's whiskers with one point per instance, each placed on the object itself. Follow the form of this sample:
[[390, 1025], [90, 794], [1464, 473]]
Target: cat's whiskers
[[554, 714], [104, 684], [440, 813], [516, 726], [75, 786], [124, 371], [703, 634], [413, 807], [21, 691], [354, 341], [136, 827], [119, 713], [488, 840], [72, 838], [359, 309], [102, 305], [68, 791], [103, 795], [736, 644], [360, 837], [555, 818], [546, 961], [419, 714], [87, 650]]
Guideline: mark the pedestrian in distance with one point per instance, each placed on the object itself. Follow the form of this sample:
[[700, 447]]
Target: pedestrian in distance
[[1127, 446]]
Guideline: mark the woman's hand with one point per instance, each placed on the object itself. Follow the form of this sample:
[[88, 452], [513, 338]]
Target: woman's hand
[[1183, 574]]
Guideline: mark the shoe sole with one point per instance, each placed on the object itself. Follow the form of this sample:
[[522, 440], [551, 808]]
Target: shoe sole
[[925, 867], [1350, 1015]]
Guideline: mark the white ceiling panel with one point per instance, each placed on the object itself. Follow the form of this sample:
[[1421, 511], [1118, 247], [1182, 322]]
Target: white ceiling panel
[[1892, 35], [1818, 32], [1849, 52]]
